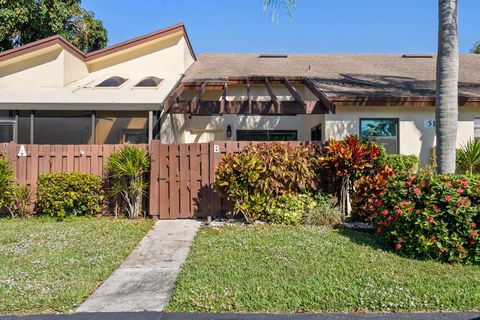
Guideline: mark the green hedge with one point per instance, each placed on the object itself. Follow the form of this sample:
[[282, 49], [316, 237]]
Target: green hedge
[[400, 163], [69, 194]]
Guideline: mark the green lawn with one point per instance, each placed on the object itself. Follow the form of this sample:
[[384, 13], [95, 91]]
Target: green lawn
[[291, 269], [49, 266]]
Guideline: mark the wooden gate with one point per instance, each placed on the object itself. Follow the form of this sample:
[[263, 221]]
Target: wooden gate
[[183, 176]]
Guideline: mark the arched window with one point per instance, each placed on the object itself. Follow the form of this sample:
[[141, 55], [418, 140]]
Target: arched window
[[112, 82], [149, 82]]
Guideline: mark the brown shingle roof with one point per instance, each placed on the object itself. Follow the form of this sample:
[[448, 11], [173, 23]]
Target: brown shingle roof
[[343, 75]]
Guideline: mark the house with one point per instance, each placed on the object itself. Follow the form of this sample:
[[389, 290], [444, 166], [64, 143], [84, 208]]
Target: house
[[52, 93], [389, 98], [153, 87]]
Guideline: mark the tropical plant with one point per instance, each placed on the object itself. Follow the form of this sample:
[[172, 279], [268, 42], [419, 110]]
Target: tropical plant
[[258, 174], [349, 159], [468, 157], [127, 172], [432, 216], [446, 108], [24, 21], [62, 195], [7, 181], [368, 192]]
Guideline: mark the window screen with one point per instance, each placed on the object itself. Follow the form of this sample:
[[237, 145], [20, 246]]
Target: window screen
[[266, 135], [476, 128], [382, 131]]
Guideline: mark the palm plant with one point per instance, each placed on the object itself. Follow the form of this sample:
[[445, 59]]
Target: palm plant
[[468, 156], [127, 170], [446, 108]]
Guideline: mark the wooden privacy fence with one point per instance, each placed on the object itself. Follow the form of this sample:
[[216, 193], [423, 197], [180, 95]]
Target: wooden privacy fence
[[181, 180], [30, 161]]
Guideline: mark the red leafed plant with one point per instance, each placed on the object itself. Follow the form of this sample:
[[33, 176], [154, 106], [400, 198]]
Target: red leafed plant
[[348, 159], [368, 192]]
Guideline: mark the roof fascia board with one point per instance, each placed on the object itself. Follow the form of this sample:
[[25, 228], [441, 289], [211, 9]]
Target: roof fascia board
[[58, 40]]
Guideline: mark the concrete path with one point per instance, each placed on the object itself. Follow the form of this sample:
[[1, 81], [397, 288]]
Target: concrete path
[[251, 316], [145, 280]]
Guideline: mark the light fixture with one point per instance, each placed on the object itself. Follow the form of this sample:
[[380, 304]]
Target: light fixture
[[229, 131]]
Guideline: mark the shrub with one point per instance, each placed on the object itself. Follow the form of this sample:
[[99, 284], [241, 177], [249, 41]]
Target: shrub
[[19, 204], [127, 172], [257, 175], [400, 163], [468, 157], [432, 216], [289, 208], [69, 194], [323, 213], [368, 190], [349, 159], [7, 180]]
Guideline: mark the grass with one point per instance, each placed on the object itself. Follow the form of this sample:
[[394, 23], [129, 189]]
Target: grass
[[49, 266], [297, 269]]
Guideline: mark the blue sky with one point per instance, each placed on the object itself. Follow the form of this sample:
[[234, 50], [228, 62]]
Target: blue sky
[[317, 26]]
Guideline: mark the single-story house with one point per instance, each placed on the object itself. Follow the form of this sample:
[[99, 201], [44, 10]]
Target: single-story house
[[386, 97], [153, 87], [53, 93]]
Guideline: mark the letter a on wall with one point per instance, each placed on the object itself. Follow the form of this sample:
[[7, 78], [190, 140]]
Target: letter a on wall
[[22, 152]]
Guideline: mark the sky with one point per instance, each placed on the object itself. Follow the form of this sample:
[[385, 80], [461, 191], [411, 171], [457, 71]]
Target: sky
[[317, 26]]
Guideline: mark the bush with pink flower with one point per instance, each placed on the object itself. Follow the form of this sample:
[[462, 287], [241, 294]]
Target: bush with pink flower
[[431, 216]]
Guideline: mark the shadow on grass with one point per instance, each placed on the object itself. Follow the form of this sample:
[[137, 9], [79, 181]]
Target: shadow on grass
[[365, 239]]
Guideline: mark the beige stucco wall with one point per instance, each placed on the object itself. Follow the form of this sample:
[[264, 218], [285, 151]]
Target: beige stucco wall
[[182, 129], [414, 137], [45, 69]]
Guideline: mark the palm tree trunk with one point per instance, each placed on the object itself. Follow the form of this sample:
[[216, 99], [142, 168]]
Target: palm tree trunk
[[446, 109]]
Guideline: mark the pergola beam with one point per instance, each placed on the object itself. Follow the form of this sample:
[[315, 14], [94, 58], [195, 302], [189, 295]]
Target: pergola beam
[[249, 95], [173, 97], [320, 95], [295, 94], [223, 100], [196, 100], [272, 95]]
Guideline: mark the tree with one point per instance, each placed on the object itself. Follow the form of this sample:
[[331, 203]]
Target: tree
[[24, 21], [446, 107], [476, 48]]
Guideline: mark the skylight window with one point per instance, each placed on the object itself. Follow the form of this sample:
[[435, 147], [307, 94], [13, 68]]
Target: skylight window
[[112, 82], [149, 82]]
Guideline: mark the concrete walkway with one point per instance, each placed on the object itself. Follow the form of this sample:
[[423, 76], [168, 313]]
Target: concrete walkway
[[145, 280]]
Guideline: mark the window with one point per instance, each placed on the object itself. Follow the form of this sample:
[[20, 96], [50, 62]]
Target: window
[[382, 131], [149, 82], [135, 136], [476, 128], [316, 133], [112, 82], [266, 135], [7, 126]]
